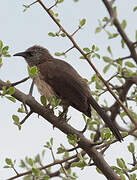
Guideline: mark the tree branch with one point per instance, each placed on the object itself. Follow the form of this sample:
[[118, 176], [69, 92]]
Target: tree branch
[[83, 142]]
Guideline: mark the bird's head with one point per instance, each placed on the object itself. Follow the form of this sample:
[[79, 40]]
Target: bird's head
[[35, 55]]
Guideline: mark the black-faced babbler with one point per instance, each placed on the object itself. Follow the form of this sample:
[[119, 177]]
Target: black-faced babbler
[[58, 78]]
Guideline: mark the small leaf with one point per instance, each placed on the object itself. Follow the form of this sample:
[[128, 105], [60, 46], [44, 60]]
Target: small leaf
[[32, 71], [1, 44], [51, 141], [98, 29], [63, 35], [10, 90], [122, 43], [87, 50], [129, 64], [58, 54], [124, 24], [99, 171], [9, 161], [7, 167], [43, 100], [51, 34], [105, 133], [60, 150], [15, 118], [80, 164], [105, 19], [0, 61], [121, 163], [60, 1], [106, 68], [82, 22], [131, 148], [109, 50], [107, 59], [133, 176], [136, 35], [35, 171], [135, 8], [11, 98], [93, 47]]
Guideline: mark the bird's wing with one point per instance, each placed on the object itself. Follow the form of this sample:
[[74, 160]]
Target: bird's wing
[[66, 82]]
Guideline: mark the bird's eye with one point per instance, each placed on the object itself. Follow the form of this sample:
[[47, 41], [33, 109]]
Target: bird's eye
[[29, 53]]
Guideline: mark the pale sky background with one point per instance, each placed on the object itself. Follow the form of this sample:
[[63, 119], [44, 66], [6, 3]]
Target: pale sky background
[[21, 30]]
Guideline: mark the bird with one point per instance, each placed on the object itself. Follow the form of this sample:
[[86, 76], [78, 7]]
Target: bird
[[58, 78]]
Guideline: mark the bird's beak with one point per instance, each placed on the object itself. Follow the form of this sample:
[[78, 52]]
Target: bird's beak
[[23, 54]]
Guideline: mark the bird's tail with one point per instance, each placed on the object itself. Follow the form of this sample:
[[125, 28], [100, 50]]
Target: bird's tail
[[105, 118]]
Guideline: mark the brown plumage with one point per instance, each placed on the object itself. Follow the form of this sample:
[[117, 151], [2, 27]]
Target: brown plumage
[[58, 78]]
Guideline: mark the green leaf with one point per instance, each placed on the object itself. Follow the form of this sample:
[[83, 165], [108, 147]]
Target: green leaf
[[15, 118], [37, 158], [133, 176], [32, 71], [60, 1], [124, 24], [93, 47], [136, 35], [9, 161], [105, 19], [11, 98], [105, 133], [10, 90], [82, 22], [0, 61], [7, 167], [80, 164], [22, 164], [121, 163], [122, 43], [131, 148], [4, 50], [72, 139], [60, 150], [29, 161], [87, 50], [106, 68], [107, 59], [98, 29], [59, 54], [35, 171], [97, 55], [129, 64], [51, 141], [135, 8], [51, 34], [1, 44], [109, 50], [99, 171], [122, 177], [63, 35], [115, 10], [46, 177], [43, 100]]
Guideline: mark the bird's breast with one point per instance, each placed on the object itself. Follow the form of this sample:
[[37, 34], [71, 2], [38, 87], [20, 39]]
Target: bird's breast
[[43, 87]]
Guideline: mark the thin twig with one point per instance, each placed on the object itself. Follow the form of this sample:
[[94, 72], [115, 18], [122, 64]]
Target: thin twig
[[68, 50], [75, 31], [123, 58], [31, 87], [19, 82], [29, 114], [56, 2]]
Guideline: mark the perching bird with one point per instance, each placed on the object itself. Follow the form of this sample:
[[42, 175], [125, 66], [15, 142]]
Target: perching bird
[[58, 78]]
